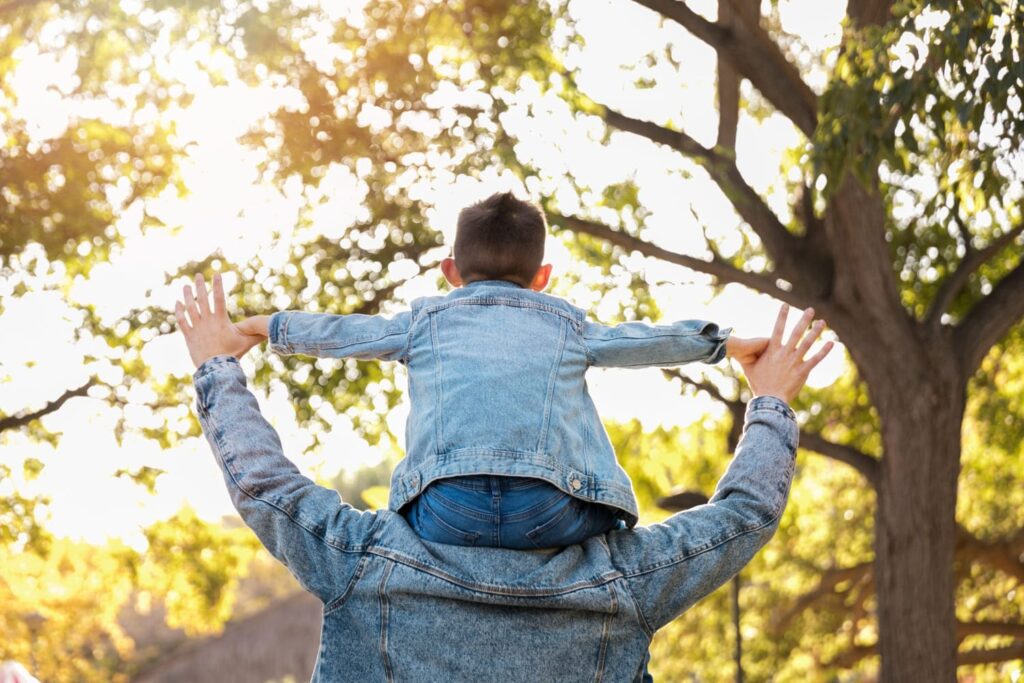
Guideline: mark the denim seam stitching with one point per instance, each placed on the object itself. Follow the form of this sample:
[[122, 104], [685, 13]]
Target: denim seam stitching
[[677, 560], [499, 300], [362, 339], [552, 377], [234, 478], [383, 603], [336, 603], [532, 533], [471, 537], [641, 617], [605, 630], [648, 336], [284, 332], [536, 509], [456, 507], [414, 317], [438, 389], [491, 589]]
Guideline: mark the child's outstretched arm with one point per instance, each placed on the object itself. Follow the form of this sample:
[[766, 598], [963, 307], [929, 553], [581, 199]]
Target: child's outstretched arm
[[637, 345], [325, 335]]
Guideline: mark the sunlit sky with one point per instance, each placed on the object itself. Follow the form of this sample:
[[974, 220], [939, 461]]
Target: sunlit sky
[[228, 210]]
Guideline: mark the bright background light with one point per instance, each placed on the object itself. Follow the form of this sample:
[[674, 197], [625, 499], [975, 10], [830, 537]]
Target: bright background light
[[229, 210]]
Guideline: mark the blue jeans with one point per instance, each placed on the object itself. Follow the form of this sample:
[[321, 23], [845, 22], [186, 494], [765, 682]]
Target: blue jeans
[[506, 512]]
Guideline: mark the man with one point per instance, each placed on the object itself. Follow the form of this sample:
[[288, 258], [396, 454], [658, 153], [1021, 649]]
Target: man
[[398, 608]]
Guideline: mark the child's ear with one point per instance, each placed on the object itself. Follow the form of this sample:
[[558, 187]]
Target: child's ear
[[451, 272], [540, 280]]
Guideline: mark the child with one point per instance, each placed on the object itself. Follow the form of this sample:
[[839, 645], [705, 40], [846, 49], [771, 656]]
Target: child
[[504, 445]]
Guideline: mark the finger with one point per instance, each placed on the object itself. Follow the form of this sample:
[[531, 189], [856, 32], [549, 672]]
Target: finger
[[190, 305], [780, 325], [202, 295], [179, 315], [816, 329], [800, 328], [817, 358], [220, 308]]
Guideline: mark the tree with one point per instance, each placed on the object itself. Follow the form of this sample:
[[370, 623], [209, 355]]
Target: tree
[[921, 95], [901, 227]]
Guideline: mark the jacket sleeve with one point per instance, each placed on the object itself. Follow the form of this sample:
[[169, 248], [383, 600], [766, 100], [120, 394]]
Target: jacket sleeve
[[637, 345], [672, 565], [307, 527], [366, 337]]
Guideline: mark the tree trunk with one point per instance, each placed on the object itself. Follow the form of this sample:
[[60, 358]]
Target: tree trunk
[[915, 527]]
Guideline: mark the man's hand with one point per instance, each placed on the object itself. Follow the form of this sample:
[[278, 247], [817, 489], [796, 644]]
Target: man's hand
[[746, 351], [781, 370], [209, 333]]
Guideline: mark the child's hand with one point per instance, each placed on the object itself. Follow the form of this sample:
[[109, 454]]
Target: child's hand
[[208, 332], [745, 350], [258, 325]]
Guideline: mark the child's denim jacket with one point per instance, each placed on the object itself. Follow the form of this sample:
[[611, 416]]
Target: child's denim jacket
[[400, 609], [496, 382]]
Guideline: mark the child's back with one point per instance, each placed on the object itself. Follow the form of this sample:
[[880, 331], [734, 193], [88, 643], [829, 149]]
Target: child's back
[[503, 443]]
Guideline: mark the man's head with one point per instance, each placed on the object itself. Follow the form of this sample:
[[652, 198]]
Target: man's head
[[499, 238]]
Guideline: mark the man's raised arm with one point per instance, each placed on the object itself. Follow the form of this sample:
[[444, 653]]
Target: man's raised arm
[[305, 526], [672, 565]]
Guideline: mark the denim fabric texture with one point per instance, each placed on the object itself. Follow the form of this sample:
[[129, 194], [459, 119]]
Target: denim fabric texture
[[398, 608], [497, 383], [505, 512]]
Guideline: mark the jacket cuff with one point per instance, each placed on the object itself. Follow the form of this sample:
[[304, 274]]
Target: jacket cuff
[[720, 336], [781, 415], [277, 331], [211, 371], [769, 402]]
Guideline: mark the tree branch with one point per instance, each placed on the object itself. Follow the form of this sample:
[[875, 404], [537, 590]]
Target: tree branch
[[848, 658], [973, 259], [723, 271], [988, 628], [1003, 554], [868, 12], [754, 55], [728, 77], [864, 278], [791, 256], [989, 655], [16, 421], [16, 4], [826, 586], [989, 320], [862, 462]]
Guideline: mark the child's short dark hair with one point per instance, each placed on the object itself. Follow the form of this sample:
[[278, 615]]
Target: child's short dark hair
[[500, 238]]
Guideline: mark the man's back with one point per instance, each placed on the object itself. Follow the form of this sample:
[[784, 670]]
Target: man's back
[[397, 608]]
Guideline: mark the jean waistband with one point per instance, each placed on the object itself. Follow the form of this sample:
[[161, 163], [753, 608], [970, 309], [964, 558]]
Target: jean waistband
[[488, 482]]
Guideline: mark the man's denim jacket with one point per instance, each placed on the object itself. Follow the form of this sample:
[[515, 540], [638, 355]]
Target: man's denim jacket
[[400, 609], [496, 382]]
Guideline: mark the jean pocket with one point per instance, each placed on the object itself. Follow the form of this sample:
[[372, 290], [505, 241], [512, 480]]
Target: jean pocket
[[440, 524], [559, 529]]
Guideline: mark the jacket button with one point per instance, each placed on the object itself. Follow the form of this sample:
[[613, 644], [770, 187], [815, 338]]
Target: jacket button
[[575, 484]]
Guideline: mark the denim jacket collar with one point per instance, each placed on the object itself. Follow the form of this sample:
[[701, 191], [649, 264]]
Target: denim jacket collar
[[494, 283]]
